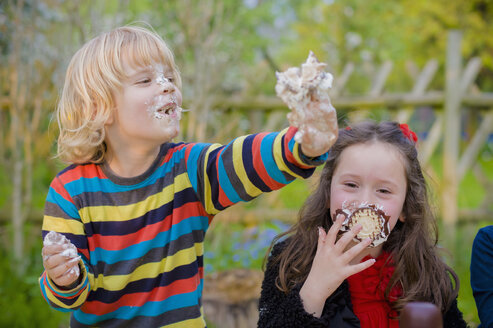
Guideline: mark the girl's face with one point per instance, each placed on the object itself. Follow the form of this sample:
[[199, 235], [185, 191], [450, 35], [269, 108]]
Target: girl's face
[[371, 173], [148, 108]]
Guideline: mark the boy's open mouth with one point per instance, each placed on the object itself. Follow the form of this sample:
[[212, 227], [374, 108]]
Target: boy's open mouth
[[164, 108], [167, 109]]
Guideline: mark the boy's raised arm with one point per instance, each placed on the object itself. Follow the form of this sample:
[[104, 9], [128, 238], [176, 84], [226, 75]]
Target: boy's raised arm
[[246, 167], [253, 164]]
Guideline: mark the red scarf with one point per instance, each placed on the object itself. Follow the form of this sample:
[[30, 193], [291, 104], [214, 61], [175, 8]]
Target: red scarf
[[367, 290]]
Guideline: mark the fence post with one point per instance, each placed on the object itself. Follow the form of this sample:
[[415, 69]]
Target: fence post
[[451, 136]]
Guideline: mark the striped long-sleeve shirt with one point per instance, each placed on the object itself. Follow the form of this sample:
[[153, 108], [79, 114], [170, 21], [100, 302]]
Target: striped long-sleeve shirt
[[141, 238]]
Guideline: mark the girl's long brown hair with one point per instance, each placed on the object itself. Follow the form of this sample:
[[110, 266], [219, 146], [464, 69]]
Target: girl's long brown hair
[[413, 244]]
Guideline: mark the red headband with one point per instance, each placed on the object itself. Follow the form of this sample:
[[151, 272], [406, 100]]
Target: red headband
[[406, 131]]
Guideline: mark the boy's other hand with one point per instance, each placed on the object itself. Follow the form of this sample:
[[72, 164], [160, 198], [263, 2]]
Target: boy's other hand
[[63, 270]]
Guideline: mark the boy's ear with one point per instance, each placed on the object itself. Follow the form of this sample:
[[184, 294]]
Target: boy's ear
[[110, 118], [109, 121]]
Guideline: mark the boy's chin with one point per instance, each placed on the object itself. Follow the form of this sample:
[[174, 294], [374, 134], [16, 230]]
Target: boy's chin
[[172, 132]]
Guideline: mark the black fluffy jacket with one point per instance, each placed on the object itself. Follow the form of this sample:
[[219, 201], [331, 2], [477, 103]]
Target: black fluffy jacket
[[278, 309]]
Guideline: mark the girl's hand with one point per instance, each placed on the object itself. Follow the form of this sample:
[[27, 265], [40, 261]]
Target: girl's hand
[[331, 266], [59, 267], [319, 128]]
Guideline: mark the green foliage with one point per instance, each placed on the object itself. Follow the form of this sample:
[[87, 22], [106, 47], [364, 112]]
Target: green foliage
[[369, 32], [461, 257], [5, 187], [20, 295]]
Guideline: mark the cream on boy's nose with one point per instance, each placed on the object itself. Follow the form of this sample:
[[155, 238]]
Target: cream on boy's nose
[[168, 87], [164, 83]]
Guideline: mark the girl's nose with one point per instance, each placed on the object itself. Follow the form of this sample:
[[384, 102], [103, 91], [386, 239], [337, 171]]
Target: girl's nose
[[369, 197], [366, 196]]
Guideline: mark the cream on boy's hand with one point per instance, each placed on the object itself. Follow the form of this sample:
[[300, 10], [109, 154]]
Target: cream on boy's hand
[[305, 92], [60, 259]]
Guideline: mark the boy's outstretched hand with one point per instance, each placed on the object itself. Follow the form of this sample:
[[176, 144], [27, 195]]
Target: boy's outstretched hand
[[319, 130], [305, 91]]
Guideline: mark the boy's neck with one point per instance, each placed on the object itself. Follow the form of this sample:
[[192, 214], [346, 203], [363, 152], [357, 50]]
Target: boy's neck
[[130, 163]]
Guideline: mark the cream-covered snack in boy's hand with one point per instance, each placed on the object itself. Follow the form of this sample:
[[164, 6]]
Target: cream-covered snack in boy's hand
[[305, 91], [374, 222], [70, 251]]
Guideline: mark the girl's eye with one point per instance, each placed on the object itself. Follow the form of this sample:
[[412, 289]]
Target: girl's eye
[[350, 184], [171, 79], [384, 191]]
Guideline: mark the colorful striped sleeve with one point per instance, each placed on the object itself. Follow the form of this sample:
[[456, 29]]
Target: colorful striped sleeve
[[246, 167], [61, 215]]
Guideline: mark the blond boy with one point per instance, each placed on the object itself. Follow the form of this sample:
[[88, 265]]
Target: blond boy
[[135, 205]]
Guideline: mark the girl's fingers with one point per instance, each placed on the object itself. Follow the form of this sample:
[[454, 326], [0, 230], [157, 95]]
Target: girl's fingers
[[334, 230], [321, 238], [347, 237], [357, 249], [353, 269]]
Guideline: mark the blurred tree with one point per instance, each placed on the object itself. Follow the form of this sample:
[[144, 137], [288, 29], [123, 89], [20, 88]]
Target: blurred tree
[[369, 32], [26, 86], [35, 40], [213, 41]]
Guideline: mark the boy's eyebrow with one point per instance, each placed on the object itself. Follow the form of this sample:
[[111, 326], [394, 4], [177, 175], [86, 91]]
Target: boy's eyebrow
[[139, 71], [150, 70]]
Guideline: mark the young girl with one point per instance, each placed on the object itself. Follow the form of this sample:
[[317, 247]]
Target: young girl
[[315, 279]]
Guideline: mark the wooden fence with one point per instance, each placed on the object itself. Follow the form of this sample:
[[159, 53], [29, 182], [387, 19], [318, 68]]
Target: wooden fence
[[460, 95]]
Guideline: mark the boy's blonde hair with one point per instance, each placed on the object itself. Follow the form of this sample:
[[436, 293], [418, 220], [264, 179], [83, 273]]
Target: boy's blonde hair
[[94, 75]]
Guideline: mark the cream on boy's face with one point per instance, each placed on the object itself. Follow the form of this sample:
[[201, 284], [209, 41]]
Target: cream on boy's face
[[148, 108], [371, 173]]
